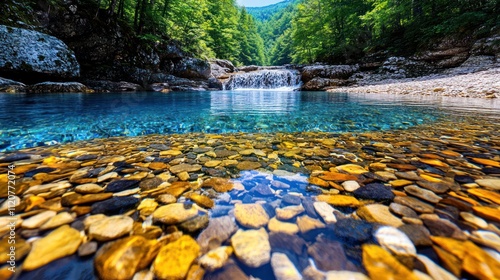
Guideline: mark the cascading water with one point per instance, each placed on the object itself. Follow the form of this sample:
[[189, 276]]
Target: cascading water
[[282, 79]]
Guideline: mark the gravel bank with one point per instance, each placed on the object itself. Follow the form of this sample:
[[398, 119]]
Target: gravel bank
[[484, 84]]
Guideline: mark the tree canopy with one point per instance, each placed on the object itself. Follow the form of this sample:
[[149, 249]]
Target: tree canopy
[[205, 28], [308, 31]]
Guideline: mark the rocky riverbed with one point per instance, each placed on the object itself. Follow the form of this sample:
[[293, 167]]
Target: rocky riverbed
[[483, 84], [421, 203]]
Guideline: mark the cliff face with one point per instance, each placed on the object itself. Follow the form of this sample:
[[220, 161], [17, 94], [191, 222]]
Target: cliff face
[[104, 46], [28, 51]]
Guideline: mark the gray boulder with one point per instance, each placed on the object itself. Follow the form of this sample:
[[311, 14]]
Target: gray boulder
[[323, 84], [328, 71], [30, 52], [11, 86], [48, 87], [221, 69], [192, 68]]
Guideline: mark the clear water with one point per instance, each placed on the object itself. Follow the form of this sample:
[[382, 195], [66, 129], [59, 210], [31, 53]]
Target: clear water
[[30, 120]]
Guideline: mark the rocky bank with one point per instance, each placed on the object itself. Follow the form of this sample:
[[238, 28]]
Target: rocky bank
[[483, 84]]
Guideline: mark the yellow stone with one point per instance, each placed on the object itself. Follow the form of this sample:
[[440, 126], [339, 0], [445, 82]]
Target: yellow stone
[[183, 176], [201, 200], [306, 223], [251, 215], [60, 243], [211, 154], [138, 176], [479, 263], [22, 248], [378, 213], [58, 220], [430, 178], [276, 225], [400, 183], [450, 245], [33, 201], [212, 163], [170, 153], [123, 258], [328, 142], [380, 264], [352, 169], [451, 153], [147, 206], [433, 162], [318, 182], [288, 144], [339, 200], [334, 176], [452, 263], [485, 194], [467, 199], [378, 166], [157, 165], [175, 259], [24, 168], [492, 214], [487, 162], [218, 184]]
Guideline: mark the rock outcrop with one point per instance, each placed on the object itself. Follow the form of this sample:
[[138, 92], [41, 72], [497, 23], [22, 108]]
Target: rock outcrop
[[48, 87], [11, 86], [192, 68], [328, 72], [319, 83], [27, 54], [221, 69]]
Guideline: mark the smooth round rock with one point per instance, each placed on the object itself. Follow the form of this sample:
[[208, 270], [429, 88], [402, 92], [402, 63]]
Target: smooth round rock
[[283, 268], [252, 247], [251, 215], [395, 241], [110, 228]]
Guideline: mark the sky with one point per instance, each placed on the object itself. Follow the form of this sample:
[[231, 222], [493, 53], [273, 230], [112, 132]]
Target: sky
[[257, 3]]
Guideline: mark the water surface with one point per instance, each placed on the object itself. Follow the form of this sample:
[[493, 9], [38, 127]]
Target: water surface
[[30, 120]]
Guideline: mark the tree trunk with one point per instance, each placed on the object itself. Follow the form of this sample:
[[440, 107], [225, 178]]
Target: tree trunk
[[112, 6]]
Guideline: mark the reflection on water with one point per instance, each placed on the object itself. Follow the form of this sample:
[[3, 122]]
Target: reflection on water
[[254, 102]]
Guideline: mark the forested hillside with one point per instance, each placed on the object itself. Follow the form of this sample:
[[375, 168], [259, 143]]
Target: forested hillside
[[293, 31], [204, 28], [266, 12], [334, 31]]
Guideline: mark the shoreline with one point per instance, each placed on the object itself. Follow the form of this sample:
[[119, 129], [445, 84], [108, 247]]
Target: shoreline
[[482, 84]]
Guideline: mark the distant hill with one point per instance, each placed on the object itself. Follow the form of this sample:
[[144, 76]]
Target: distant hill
[[266, 12]]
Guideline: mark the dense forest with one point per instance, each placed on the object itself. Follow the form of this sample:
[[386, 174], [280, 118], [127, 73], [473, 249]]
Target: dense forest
[[293, 31], [334, 31], [203, 28], [207, 29]]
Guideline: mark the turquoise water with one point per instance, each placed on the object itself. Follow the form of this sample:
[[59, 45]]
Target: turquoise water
[[30, 120]]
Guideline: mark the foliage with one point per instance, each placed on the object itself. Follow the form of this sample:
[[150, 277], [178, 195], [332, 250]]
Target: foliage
[[292, 31], [265, 13], [309, 31]]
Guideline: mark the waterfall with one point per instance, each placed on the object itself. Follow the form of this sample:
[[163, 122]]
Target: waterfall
[[283, 79]]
